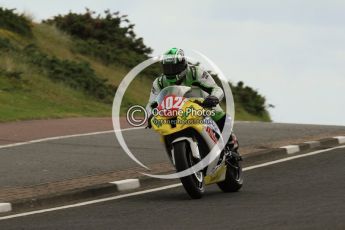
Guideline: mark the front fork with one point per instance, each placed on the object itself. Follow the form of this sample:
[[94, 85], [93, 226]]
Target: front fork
[[193, 146]]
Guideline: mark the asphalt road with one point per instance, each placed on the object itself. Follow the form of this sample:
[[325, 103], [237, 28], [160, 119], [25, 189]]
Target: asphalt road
[[89, 155], [304, 193]]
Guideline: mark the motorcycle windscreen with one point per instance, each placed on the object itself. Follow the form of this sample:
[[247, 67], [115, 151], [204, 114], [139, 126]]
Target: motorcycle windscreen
[[178, 91]]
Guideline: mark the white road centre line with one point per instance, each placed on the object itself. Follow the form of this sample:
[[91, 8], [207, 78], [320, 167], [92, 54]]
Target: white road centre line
[[291, 149], [63, 137], [160, 188]]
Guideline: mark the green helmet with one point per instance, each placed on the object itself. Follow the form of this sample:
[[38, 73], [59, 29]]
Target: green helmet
[[174, 65]]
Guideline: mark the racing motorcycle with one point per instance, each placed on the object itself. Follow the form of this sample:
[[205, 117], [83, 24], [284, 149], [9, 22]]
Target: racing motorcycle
[[189, 134]]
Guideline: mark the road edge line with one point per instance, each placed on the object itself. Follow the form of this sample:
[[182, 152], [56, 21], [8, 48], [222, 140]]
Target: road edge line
[[64, 137]]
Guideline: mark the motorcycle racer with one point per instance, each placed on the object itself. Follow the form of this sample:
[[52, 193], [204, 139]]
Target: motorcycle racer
[[177, 71]]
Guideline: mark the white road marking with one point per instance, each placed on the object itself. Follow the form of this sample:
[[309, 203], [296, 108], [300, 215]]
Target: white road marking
[[313, 144], [291, 149], [5, 207], [127, 184], [341, 139], [160, 188], [291, 158], [91, 202], [250, 122], [63, 137]]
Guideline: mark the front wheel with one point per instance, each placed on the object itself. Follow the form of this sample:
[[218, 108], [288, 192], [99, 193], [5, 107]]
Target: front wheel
[[194, 183], [234, 177]]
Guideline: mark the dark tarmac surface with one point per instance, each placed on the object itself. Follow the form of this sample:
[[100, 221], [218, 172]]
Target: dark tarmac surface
[[304, 193], [90, 155]]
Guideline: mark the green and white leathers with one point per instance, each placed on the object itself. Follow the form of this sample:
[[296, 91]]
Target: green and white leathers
[[177, 71]]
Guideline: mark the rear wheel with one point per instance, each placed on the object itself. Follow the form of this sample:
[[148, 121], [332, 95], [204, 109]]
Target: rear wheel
[[194, 183], [234, 177]]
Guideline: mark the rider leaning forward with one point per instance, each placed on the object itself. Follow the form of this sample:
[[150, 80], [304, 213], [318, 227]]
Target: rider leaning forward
[[177, 71]]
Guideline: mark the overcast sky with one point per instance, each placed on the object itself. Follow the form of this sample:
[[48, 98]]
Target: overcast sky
[[293, 52]]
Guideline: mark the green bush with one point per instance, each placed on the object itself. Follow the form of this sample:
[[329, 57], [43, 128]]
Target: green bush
[[108, 54], [6, 45], [79, 76], [250, 99], [17, 23], [110, 37], [11, 74]]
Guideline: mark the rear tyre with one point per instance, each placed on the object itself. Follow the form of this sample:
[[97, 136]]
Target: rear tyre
[[234, 176], [194, 183]]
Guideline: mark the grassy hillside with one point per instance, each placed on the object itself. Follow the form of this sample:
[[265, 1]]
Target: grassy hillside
[[45, 73]]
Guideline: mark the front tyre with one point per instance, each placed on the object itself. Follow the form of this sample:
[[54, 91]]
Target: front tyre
[[234, 176], [194, 183]]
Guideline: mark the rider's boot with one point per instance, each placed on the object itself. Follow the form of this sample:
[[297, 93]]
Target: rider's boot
[[232, 147]]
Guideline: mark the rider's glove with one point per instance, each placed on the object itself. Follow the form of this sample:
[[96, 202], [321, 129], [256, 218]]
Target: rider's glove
[[149, 125], [210, 101]]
